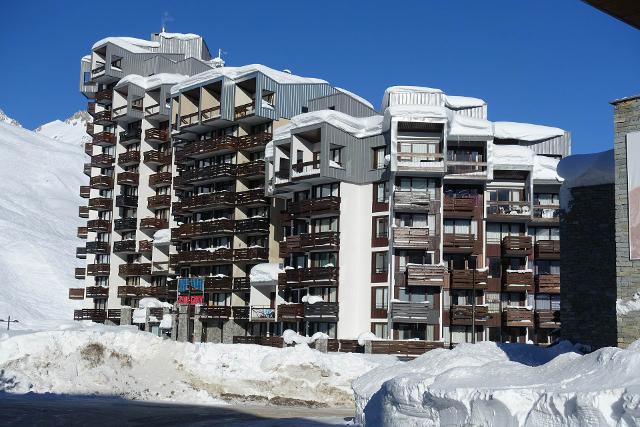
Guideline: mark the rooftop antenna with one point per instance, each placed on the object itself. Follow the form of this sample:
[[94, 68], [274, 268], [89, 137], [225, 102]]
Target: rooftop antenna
[[218, 62], [165, 18]]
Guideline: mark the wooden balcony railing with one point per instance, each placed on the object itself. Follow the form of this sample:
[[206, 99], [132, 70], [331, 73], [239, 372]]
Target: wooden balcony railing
[[81, 252], [141, 269], [206, 173], [252, 225], [98, 247], [413, 237], [548, 283], [88, 148], [102, 182], [247, 142], [102, 160], [414, 312], [251, 254], [76, 293], [201, 229], [547, 249], [218, 284], [290, 245], [464, 279], [547, 319], [509, 210], [212, 200], [301, 169], [210, 113], [152, 110], [240, 312], [104, 96], [128, 178], [518, 316], [310, 207], [83, 211], [114, 314], [161, 201], [80, 273], [414, 201], [462, 243], [145, 246], [91, 108], [313, 276], [215, 312], [85, 191], [96, 292], [153, 223], [463, 314], [465, 205], [100, 204], [404, 348], [156, 135], [129, 158], [98, 269], [290, 312], [277, 342], [126, 201], [124, 246], [104, 139], [209, 146], [421, 161], [89, 129], [198, 256], [95, 315], [254, 168], [321, 240], [131, 135], [189, 119], [98, 226], [546, 213], [241, 284], [244, 110], [145, 291], [87, 169], [160, 179], [517, 281], [426, 275], [516, 246], [102, 117], [123, 224], [252, 197], [157, 157], [321, 311]]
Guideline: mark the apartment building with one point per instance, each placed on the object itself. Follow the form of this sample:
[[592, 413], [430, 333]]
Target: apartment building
[[427, 221]]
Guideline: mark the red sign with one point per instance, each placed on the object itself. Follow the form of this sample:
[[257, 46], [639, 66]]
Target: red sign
[[192, 300]]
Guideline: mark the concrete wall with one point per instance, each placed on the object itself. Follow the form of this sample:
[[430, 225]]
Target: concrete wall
[[626, 120], [588, 252]]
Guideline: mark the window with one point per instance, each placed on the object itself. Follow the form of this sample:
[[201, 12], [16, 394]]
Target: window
[[546, 199], [543, 302], [460, 226], [221, 299], [409, 331], [305, 109], [496, 232], [547, 267], [382, 227], [428, 185], [378, 157], [381, 192], [380, 262], [325, 224], [406, 256], [335, 156], [492, 300], [495, 266], [326, 190], [380, 302], [324, 327], [545, 233], [324, 259], [416, 294], [381, 330], [417, 220]]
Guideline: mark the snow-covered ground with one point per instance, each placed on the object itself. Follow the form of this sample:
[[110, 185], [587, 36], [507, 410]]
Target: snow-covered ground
[[39, 201], [489, 384], [95, 359]]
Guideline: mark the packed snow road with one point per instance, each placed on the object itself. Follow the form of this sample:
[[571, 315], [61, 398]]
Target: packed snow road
[[59, 410]]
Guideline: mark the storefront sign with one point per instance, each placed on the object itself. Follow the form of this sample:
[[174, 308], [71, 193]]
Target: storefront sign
[[190, 300]]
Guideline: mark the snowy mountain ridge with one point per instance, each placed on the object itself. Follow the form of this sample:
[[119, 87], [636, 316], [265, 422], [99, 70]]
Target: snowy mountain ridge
[[71, 130], [8, 120]]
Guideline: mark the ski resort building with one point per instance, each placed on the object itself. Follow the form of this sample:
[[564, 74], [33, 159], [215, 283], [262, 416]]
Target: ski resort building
[[294, 204]]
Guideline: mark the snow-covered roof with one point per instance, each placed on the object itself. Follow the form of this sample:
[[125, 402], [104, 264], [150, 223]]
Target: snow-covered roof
[[265, 272], [513, 156], [151, 82], [582, 170], [406, 89], [356, 97], [360, 127], [236, 73], [131, 44], [545, 169], [458, 102], [179, 36], [414, 113], [524, 131], [461, 126]]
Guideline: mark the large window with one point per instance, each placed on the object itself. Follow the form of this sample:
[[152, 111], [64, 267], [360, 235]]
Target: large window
[[546, 199], [328, 294], [325, 224], [326, 190], [416, 294], [417, 220], [380, 302], [492, 299], [428, 185], [378, 157], [407, 256], [324, 259], [460, 226], [324, 327], [382, 192], [547, 267], [545, 233], [381, 330], [409, 331], [381, 262], [382, 227], [496, 232]]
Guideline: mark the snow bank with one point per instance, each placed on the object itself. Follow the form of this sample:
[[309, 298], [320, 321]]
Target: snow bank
[[97, 359], [292, 337], [461, 126], [162, 236], [312, 299], [513, 155], [524, 131], [629, 305], [265, 272], [546, 168], [366, 336], [72, 130], [505, 384], [360, 127]]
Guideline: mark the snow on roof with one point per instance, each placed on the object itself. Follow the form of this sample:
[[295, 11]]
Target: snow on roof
[[236, 73], [461, 126], [414, 113], [356, 97], [458, 102], [269, 151], [524, 131], [131, 44], [86, 58], [545, 168], [582, 170], [513, 155], [360, 127], [405, 89], [153, 303], [179, 36], [151, 82], [265, 272]]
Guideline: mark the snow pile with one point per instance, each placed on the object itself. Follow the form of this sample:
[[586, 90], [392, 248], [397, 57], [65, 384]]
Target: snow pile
[[505, 384], [546, 168], [72, 130], [41, 178], [122, 361], [627, 306], [151, 82], [292, 337], [178, 36], [312, 299], [414, 113], [162, 236], [8, 120], [461, 126], [265, 272], [132, 44], [513, 156], [366, 336], [460, 102], [360, 127], [524, 131]]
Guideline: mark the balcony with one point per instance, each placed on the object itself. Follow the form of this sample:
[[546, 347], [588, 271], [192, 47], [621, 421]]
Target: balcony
[[125, 201], [103, 118], [203, 229], [516, 246], [114, 314], [208, 147], [547, 319], [313, 276], [548, 283], [546, 214], [262, 314], [160, 201], [252, 226], [258, 140], [98, 226], [312, 207], [82, 232], [290, 245], [83, 211], [240, 312], [321, 312], [290, 312], [153, 223], [251, 254], [102, 160], [155, 157], [104, 139], [128, 178], [124, 246], [460, 206], [189, 120], [104, 97], [253, 197], [76, 293], [303, 170], [518, 316], [207, 201], [469, 279], [91, 108], [87, 169], [126, 114], [465, 166], [464, 314], [99, 204], [98, 269], [203, 256], [95, 315], [241, 284], [145, 291], [408, 201], [462, 243], [145, 246], [80, 273], [130, 136], [547, 249], [217, 284], [81, 252], [206, 174], [160, 179], [85, 191], [88, 148], [414, 237], [517, 281], [211, 113], [423, 162], [89, 129], [141, 269], [101, 182], [129, 158], [215, 312], [414, 312], [425, 275], [125, 224], [328, 240], [244, 110], [156, 135], [98, 248], [152, 110], [251, 169], [509, 211], [97, 292]]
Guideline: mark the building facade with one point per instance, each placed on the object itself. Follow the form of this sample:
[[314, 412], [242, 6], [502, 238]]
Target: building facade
[[423, 220]]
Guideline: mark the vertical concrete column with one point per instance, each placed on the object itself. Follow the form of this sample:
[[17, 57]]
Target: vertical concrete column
[[174, 326], [197, 328], [147, 325], [125, 316], [367, 347], [183, 323], [322, 345]]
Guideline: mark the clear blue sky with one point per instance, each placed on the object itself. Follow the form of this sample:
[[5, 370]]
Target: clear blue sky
[[553, 62]]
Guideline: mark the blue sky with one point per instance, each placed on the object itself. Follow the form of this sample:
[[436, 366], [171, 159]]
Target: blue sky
[[550, 62]]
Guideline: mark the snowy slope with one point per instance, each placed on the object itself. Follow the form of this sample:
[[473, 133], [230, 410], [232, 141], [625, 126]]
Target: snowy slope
[[8, 120], [72, 130], [39, 186]]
